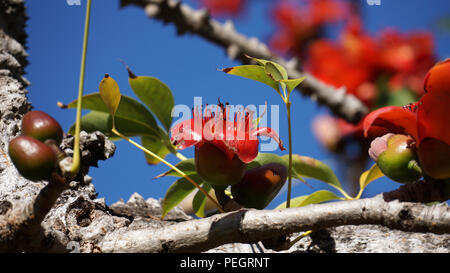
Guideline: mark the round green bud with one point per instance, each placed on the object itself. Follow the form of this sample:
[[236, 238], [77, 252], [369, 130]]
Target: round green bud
[[399, 160], [33, 159], [259, 186], [215, 167], [41, 126]]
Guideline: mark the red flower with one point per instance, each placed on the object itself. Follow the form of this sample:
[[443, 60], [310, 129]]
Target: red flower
[[221, 7], [427, 121], [235, 138]]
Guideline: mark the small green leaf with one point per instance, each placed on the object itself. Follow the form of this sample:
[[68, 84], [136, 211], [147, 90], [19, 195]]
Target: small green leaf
[[110, 93], [280, 68], [292, 84], [177, 192], [253, 72], [199, 201], [368, 176], [314, 198], [266, 158], [156, 95], [157, 146], [313, 168], [187, 166], [273, 72]]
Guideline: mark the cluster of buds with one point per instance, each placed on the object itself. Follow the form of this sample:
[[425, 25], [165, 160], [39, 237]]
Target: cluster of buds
[[36, 152]]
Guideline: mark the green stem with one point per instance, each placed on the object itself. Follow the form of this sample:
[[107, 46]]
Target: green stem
[[288, 108], [170, 166], [300, 237], [76, 150]]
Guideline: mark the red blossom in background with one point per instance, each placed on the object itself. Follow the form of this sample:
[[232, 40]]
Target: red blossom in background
[[223, 7]]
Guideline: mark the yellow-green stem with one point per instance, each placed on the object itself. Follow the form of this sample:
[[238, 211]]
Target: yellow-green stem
[[180, 156], [185, 176], [76, 149], [300, 237], [288, 108]]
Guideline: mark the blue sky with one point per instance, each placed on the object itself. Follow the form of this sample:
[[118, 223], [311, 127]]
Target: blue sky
[[188, 65]]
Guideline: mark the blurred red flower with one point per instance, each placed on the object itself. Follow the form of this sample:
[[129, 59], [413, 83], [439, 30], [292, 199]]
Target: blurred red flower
[[223, 7], [426, 121]]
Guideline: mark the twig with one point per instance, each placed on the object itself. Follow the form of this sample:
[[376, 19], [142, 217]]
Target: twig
[[237, 45]]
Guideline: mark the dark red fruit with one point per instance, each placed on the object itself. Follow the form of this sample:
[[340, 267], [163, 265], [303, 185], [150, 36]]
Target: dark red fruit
[[33, 159], [41, 126], [260, 186], [215, 167]]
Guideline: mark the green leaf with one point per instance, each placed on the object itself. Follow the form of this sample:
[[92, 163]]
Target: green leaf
[[110, 93], [156, 95], [292, 84], [187, 166], [401, 97], [313, 168], [129, 109], [368, 176], [177, 192], [253, 72], [199, 201], [266, 158], [314, 198], [157, 146], [281, 70], [273, 71], [100, 121]]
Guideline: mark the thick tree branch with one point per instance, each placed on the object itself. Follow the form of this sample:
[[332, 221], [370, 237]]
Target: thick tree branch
[[250, 226], [238, 45], [20, 224]]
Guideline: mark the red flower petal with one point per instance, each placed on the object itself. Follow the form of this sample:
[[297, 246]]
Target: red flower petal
[[394, 118], [185, 134], [434, 158], [433, 113]]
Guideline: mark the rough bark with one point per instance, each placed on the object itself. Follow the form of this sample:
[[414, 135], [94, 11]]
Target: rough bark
[[237, 45], [75, 219]]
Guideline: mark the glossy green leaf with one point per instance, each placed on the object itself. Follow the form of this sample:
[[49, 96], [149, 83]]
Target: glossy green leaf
[[368, 176], [129, 109], [157, 146], [266, 158], [156, 95], [101, 121], [177, 192], [199, 201], [313, 168], [110, 93], [187, 166], [253, 72], [314, 198]]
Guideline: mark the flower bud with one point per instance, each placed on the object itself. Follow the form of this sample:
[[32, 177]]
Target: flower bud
[[217, 168], [41, 126], [259, 186], [33, 159], [399, 160]]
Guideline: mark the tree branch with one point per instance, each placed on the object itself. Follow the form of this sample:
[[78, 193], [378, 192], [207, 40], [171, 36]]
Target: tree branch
[[237, 45], [21, 223], [250, 226]]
